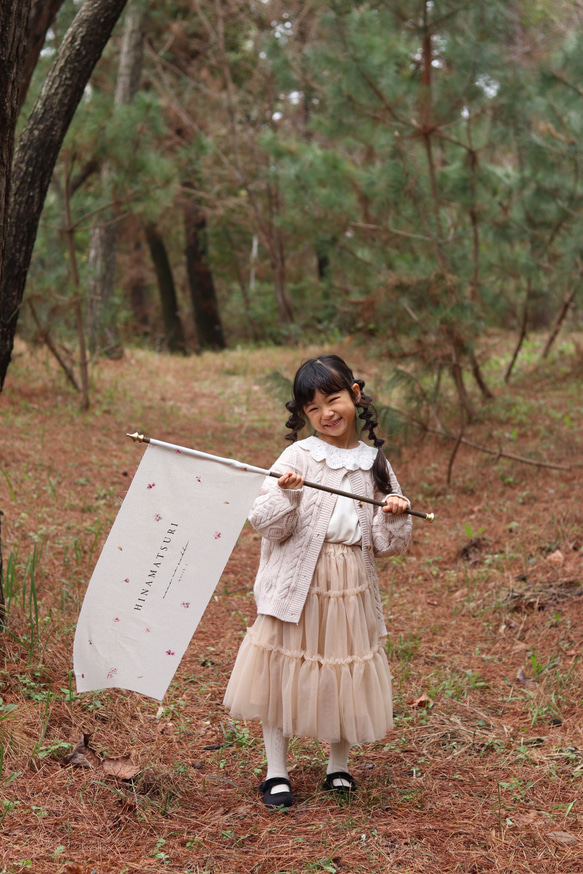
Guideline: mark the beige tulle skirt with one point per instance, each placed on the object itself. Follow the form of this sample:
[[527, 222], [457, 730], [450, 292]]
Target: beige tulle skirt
[[327, 677]]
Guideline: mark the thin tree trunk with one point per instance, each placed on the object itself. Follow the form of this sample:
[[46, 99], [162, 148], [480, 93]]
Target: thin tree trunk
[[40, 141], [278, 267], [282, 298], [42, 15], [559, 319], [200, 279], [523, 330], [167, 289], [428, 130], [78, 305], [103, 332], [242, 278], [458, 378], [479, 377], [44, 334], [101, 327], [453, 455], [323, 262], [136, 275]]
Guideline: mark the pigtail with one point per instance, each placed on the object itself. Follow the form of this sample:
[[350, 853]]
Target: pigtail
[[295, 422], [380, 469]]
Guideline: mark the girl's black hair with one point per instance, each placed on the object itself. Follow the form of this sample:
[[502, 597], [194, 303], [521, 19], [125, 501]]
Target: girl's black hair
[[329, 374]]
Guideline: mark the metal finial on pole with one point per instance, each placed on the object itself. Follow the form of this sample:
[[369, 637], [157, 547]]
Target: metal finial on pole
[[138, 438]]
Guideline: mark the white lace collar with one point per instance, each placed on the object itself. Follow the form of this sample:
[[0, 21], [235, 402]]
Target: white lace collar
[[360, 458]]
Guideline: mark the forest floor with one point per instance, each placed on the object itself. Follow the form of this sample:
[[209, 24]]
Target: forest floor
[[484, 769]]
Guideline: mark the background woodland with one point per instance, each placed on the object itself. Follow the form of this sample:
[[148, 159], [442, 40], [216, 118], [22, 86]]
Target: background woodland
[[266, 172]]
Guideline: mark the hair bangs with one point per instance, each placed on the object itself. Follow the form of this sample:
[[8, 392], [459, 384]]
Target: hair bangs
[[318, 374]]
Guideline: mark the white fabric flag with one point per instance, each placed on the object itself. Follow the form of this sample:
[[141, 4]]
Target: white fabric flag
[[163, 558]]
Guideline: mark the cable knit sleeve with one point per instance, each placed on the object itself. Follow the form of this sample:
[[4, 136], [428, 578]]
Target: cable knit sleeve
[[275, 511], [390, 532]]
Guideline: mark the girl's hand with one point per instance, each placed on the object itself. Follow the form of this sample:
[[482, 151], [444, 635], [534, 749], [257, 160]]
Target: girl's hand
[[395, 504], [290, 480]]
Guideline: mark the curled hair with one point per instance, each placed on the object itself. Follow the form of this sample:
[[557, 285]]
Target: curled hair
[[330, 374]]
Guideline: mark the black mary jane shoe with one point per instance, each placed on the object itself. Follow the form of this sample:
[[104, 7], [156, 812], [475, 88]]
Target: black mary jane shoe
[[336, 782], [276, 799]]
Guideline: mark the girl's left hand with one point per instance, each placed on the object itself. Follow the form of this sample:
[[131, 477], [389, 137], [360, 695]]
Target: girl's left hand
[[395, 504]]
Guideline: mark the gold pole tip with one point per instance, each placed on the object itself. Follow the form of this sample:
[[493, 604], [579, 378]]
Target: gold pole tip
[[137, 438], [430, 517]]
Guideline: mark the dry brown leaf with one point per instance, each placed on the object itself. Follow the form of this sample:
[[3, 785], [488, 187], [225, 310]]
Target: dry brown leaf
[[522, 678], [123, 768], [84, 757], [519, 647], [562, 838], [423, 701], [556, 557], [531, 817]]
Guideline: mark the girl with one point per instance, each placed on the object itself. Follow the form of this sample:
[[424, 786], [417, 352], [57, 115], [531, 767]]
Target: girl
[[314, 663]]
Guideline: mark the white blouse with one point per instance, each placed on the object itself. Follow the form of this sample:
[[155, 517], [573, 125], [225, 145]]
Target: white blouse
[[344, 526]]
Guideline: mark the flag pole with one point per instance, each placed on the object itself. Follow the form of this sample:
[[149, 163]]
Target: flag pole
[[140, 438]]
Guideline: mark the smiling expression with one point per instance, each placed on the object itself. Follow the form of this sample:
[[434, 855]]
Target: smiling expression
[[333, 417]]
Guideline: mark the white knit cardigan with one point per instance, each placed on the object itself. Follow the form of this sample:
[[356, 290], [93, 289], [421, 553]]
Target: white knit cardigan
[[293, 523]]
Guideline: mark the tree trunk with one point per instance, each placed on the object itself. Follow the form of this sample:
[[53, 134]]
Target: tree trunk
[[523, 330], [78, 305], [170, 314], [40, 143], [103, 332], [2, 597], [42, 15], [479, 377], [282, 298], [559, 319], [200, 279], [277, 261], [136, 277], [13, 23], [101, 326], [465, 403]]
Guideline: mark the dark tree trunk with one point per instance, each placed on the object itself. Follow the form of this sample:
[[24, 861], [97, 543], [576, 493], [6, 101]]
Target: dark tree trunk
[[523, 331], [170, 314], [323, 265], [559, 319], [40, 143], [282, 298], [479, 377], [13, 23], [200, 279], [42, 15], [2, 598], [136, 277]]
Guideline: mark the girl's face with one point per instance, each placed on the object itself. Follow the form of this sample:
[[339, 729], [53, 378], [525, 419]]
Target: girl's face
[[333, 417]]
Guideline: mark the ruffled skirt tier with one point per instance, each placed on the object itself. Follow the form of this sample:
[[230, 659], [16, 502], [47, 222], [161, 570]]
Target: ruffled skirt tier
[[328, 676]]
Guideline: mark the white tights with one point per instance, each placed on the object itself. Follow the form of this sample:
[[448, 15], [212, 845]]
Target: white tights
[[276, 751]]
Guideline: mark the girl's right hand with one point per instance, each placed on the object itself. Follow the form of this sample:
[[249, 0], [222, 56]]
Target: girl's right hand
[[291, 480]]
